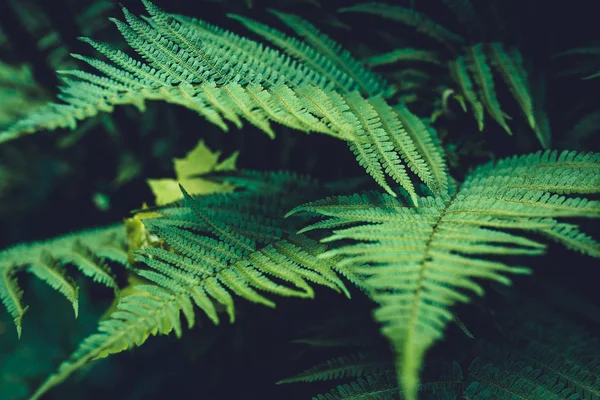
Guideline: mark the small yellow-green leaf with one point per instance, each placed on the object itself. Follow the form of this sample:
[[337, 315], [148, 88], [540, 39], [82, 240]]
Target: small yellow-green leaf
[[188, 170]]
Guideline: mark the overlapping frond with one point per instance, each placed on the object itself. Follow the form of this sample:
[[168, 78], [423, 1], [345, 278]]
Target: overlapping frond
[[226, 78], [87, 250], [420, 261], [211, 249]]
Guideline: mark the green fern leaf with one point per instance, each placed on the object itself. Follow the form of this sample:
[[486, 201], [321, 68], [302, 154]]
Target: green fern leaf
[[351, 366], [510, 64], [461, 76], [46, 260], [53, 273], [482, 74], [214, 247], [418, 262], [11, 296]]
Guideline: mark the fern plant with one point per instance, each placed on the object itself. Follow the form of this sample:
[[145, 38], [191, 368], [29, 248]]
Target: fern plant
[[417, 244]]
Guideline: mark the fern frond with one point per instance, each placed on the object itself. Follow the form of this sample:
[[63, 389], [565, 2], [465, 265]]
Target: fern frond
[[11, 295], [350, 366], [87, 250], [52, 272], [553, 171], [510, 65], [444, 384], [442, 380], [482, 74], [509, 62], [228, 78], [212, 248], [411, 18], [418, 262], [371, 387], [460, 74], [182, 69]]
